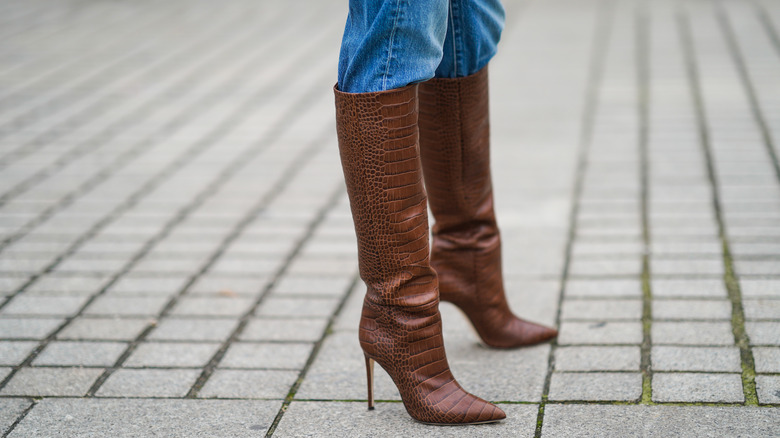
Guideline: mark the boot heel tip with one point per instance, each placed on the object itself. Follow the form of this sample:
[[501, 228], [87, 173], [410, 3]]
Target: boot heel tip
[[370, 408]]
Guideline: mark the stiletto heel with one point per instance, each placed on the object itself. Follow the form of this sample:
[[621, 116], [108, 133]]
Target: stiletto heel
[[370, 377]]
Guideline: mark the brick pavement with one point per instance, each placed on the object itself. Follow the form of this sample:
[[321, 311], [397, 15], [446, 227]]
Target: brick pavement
[[177, 254]]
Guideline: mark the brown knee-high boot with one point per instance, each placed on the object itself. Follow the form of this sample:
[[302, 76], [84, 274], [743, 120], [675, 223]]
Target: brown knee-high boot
[[455, 150], [400, 326]]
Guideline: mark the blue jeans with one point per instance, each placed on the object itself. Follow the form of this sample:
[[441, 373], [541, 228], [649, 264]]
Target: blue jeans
[[389, 44]]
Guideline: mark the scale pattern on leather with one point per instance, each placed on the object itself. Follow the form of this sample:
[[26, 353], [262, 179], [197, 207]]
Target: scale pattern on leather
[[400, 327], [454, 130]]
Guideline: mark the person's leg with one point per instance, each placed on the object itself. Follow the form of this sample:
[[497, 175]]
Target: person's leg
[[388, 44], [455, 149], [400, 327]]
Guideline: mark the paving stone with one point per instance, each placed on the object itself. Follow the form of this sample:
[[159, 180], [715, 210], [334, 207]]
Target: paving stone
[[699, 287], [14, 352], [52, 381], [297, 307], [308, 419], [682, 247], [154, 265], [196, 329], [600, 268], [660, 266], [266, 355], [585, 249], [4, 372], [312, 285], [692, 333], [601, 310], [757, 267], [767, 359], [319, 266], [97, 266], [669, 358], [222, 306], [153, 286], [266, 329], [148, 417], [171, 355], [768, 388], [104, 329], [597, 358], [216, 285], [763, 333], [48, 306], [762, 309], [273, 384], [10, 410], [595, 386], [590, 421], [28, 328], [604, 288], [759, 287], [89, 354], [148, 383], [697, 387], [66, 285], [691, 309], [600, 333], [245, 266], [9, 284], [126, 306]]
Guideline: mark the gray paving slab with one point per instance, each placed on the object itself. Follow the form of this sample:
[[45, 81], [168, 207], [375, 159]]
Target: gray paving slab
[[673, 358], [768, 388], [193, 329], [88, 354], [171, 355], [133, 417], [692, 333], [697, 387], [601, 310], [275, 306], [604, 288], [758, 287], [104, 329], [264, 384], [51, 381], [211, 284], [28, 328], [310, 419], [126, 306], [659, 421], [48, 306], [761, 309], [603, 332], [285, 329], [691, 310], [597, 386], [694, 287], [266, 355], [10, 410], [14, 352], [594, 358], [767, 359], [763, 333], [148, 383], [229, 306]]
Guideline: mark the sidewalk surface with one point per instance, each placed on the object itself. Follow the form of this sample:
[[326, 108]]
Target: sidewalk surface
[[178, 257]]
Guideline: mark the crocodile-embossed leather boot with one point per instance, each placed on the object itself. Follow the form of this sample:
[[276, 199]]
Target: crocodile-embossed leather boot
[[400, 327], [466, 252]]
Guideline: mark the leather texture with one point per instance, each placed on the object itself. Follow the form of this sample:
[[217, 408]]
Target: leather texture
[[400, 327], [466, 251]]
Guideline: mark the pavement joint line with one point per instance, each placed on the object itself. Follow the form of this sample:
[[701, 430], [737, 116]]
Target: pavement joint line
[[20, 417], [732, 285], [769, 26], [284, 179], [242, 159], [643, 109], [209, 369], [750, 90], [100, 139], [604, 22], [313, 356], [205, 142], [133, 153]]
